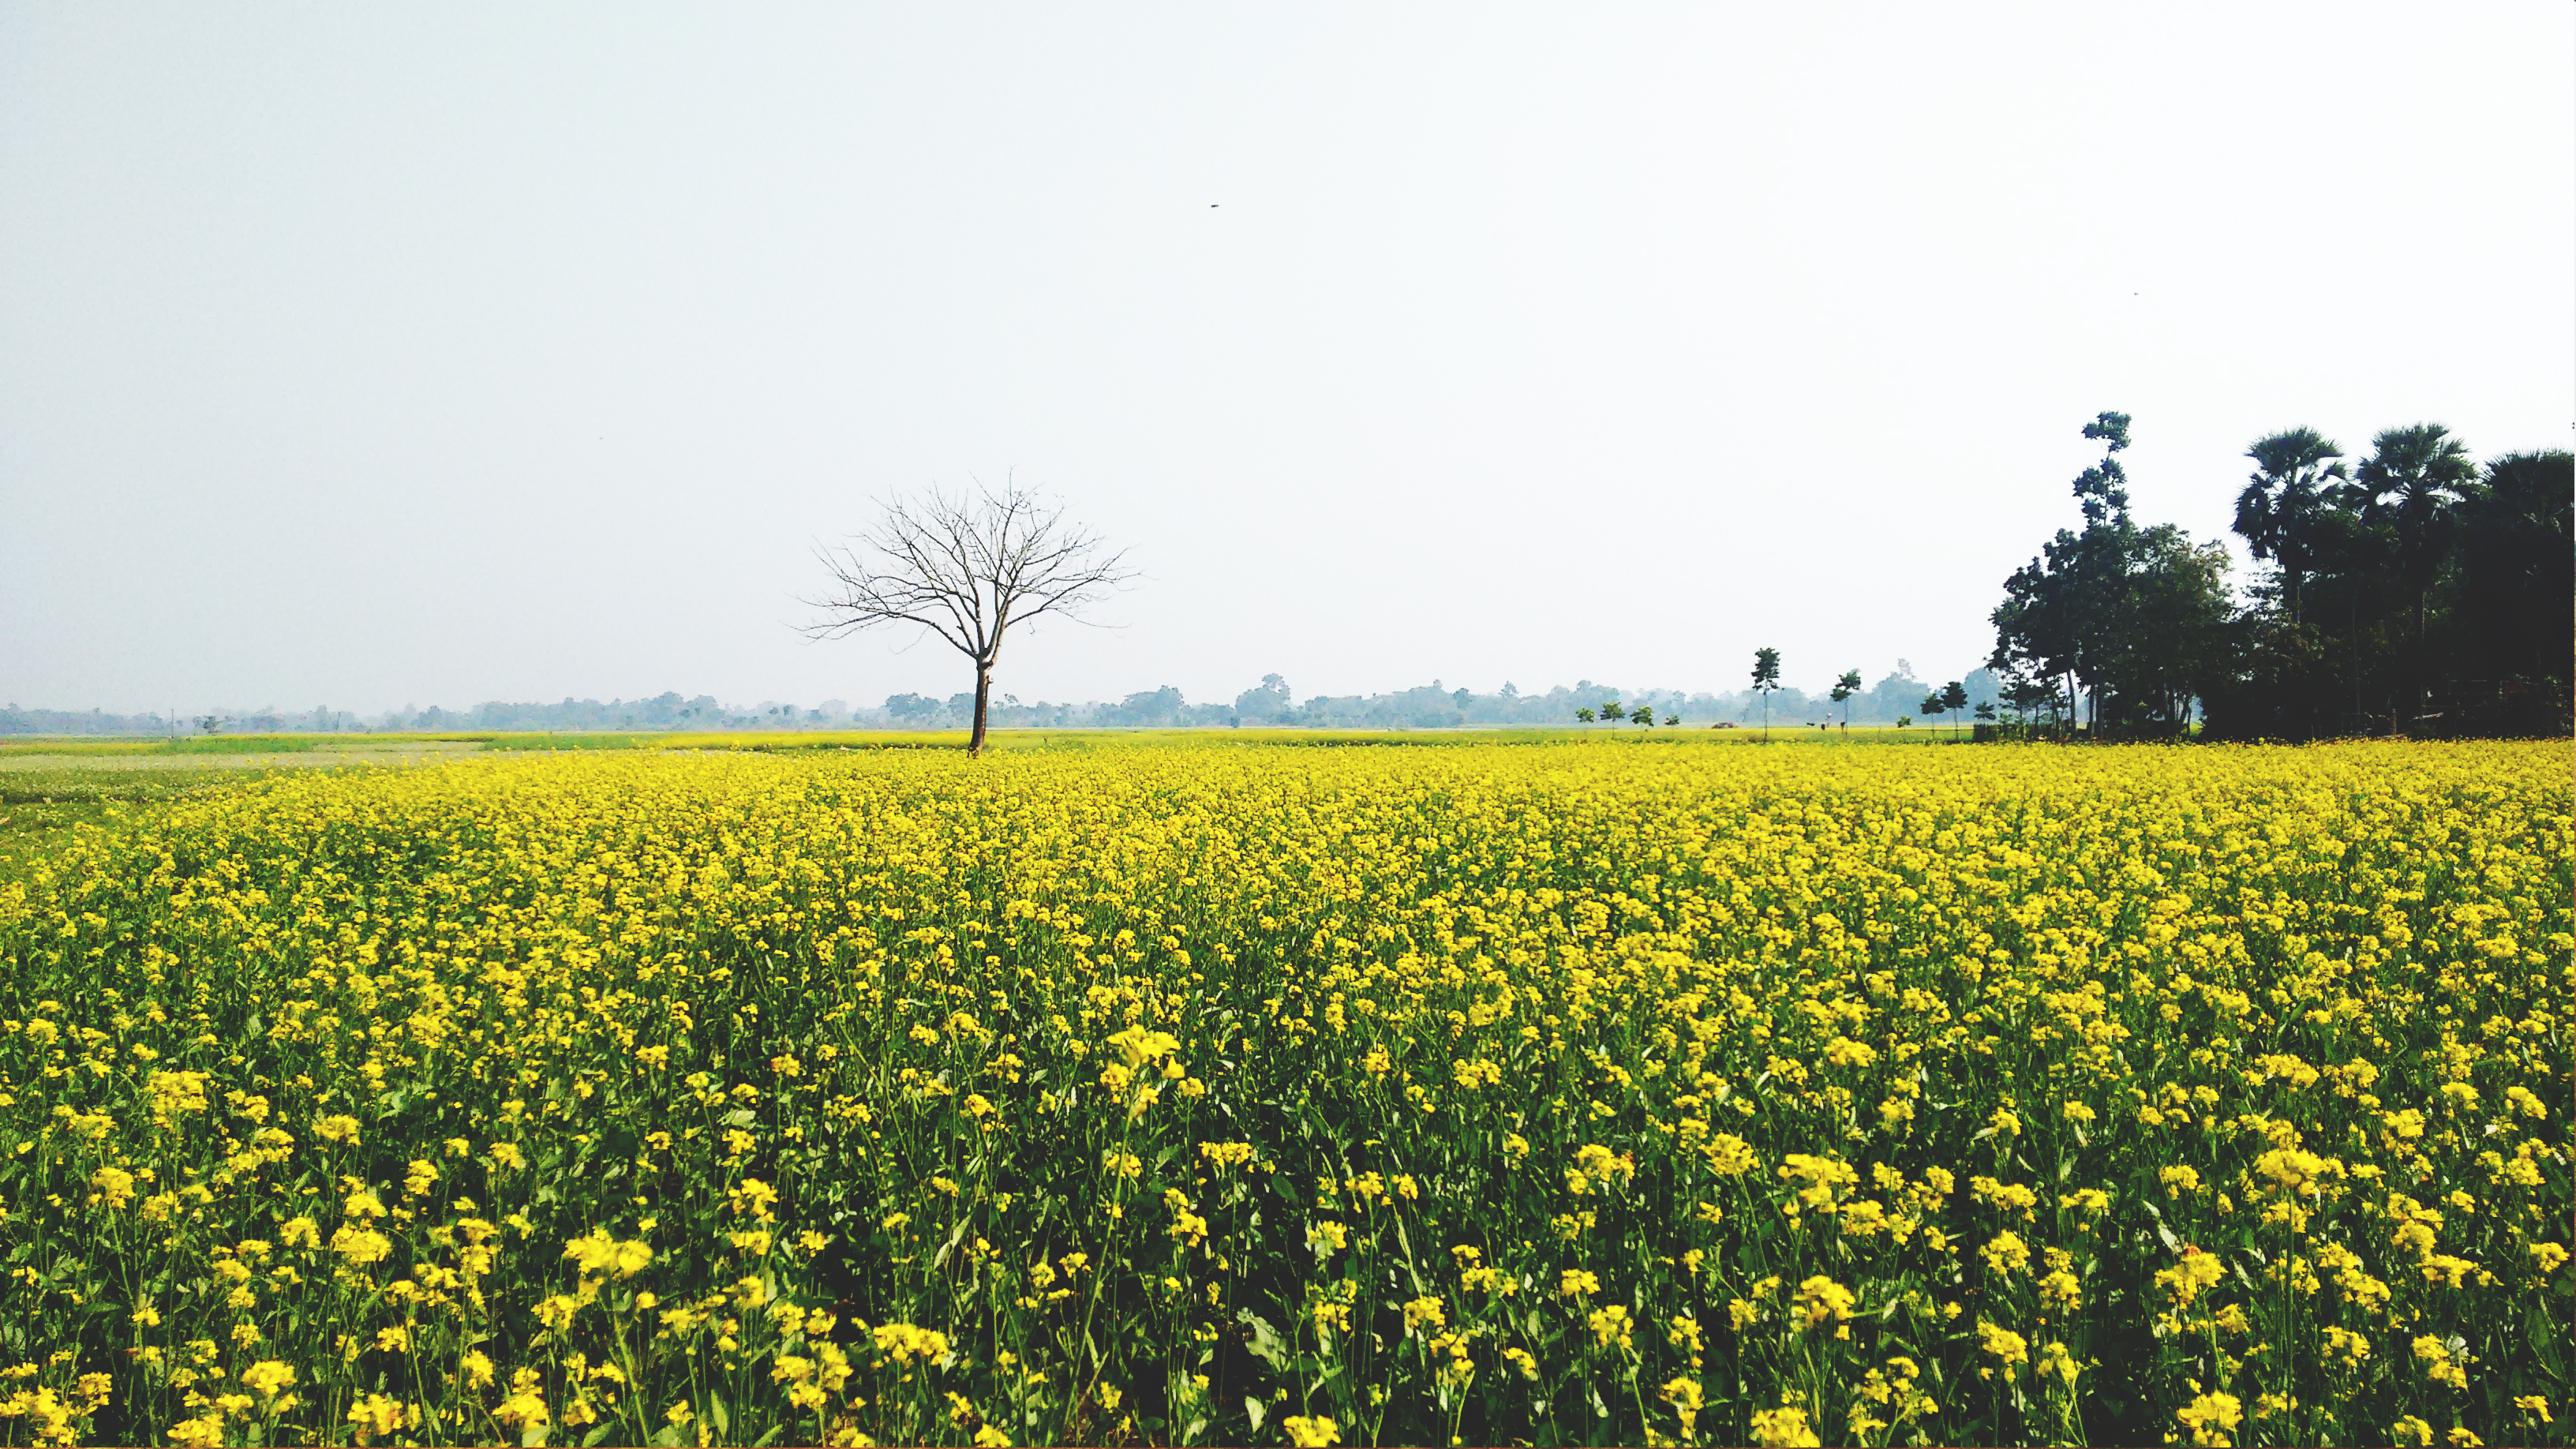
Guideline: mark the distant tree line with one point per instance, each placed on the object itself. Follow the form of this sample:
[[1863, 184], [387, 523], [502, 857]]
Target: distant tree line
[[668, 711], [1432, 707], [2419, 592], [1267, 704]]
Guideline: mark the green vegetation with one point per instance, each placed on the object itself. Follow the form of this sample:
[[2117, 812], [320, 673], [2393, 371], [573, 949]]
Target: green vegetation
[[183, 745], [51, 789], [1181, 1092], [39, 809], [2418, 593]]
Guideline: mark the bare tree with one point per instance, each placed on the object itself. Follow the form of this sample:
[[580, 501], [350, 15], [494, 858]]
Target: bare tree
[[967, 569]]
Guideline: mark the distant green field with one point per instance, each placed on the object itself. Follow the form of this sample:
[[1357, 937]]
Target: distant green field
[[38, 808], [185, 745], [50, 788]]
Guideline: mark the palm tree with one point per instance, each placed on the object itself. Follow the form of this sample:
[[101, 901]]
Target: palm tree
[[2408, 487], [2277, 512]]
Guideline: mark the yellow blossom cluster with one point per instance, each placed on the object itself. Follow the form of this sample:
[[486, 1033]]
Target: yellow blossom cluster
[[1214, 1093]]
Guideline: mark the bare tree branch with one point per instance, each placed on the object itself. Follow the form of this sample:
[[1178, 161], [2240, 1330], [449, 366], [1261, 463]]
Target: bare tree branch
[[966, 569]]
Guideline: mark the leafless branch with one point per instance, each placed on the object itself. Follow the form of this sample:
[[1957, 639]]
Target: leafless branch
[[966, 569]]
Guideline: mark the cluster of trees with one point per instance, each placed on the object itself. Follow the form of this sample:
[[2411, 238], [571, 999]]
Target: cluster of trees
[[1976, 692], [267, 720], [2121, 623], [666, 711], [1611, 712], [1163, 708], [1269, 703], [2417, 592], [1431, 706]]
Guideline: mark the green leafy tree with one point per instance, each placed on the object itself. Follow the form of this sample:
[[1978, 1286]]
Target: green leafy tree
[[1954, 699], [1766, 678], [2409, 485], [2103, 489], [2135, 616], [2176, 629], [1844, 689], [1613, 711], [1583, 715], [2037, 629], [2060, 611], [2283, 505], [2313, 649], [2509, 633], [1265, 703], [2417, 592], [2409, 489], [2030, 698]]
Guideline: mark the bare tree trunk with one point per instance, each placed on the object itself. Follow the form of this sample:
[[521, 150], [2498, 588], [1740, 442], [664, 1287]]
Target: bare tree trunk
[[966, 570], [983, 699]]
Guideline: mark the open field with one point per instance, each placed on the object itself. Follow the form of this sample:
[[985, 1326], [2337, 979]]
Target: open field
[[49, 785], [1218, 1091], [49, 789]]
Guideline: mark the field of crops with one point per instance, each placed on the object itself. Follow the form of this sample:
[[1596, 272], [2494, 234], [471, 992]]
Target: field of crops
[[1560, 1093]]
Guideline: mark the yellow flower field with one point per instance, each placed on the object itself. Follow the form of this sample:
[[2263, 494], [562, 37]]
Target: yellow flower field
[[1569, 1094]]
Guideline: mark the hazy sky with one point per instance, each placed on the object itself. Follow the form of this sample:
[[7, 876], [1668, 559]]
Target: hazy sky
[[364, 355]]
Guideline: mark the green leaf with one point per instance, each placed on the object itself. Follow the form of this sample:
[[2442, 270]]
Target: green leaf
[[2544, 1342], [1252, 1408], [1266, 1343], [940, 1259]]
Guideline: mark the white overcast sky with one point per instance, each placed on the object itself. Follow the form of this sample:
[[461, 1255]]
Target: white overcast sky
[[371, 355]]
